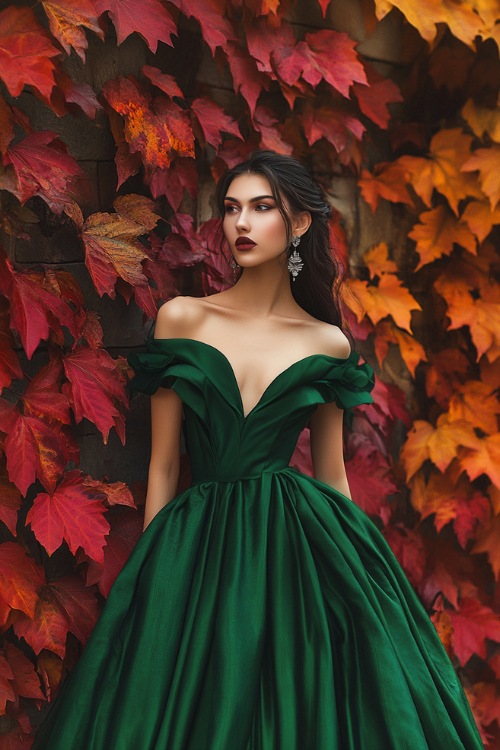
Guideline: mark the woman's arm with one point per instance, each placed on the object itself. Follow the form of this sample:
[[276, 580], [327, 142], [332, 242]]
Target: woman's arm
[[326, 447], [163, 475]]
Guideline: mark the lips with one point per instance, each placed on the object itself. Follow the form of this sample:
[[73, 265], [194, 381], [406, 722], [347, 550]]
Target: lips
[[244, 243]]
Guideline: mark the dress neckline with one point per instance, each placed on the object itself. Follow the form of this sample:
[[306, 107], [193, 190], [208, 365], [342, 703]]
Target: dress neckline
[[303, 360]]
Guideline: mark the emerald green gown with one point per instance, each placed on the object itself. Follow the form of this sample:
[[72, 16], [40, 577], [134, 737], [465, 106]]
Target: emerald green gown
[[261, 609]]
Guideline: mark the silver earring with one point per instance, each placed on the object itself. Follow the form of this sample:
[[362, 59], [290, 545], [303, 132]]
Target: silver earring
[[295, 261], [234, 266]]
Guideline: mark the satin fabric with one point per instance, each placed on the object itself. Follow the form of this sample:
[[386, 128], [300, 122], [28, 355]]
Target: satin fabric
[[261, 609]]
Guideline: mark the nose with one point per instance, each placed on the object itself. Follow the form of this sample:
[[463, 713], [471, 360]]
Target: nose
[[242, 222]]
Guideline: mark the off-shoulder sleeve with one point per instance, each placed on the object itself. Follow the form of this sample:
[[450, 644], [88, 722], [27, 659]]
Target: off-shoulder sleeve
[[348, 384], [151, 369]]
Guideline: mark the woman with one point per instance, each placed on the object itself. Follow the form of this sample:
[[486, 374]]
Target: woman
[[261, 608]]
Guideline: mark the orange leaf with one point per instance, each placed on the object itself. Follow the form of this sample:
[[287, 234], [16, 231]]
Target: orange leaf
[[388, 181], [389, 297], [438, 231], [441, 171], [20, 578], [476, 403], [74, 514], [412, 352], [480, 218], [488, 540], [65, 19], [482, 120], [483, 458], [25, 52], [437, 444], [424, 15], [487, 162], [378, 262]]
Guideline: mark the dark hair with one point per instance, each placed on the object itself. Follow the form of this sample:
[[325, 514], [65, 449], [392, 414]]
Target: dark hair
[[316, 286]]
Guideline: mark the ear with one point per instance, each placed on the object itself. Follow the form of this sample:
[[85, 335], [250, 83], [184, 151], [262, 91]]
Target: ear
[[301, 223]]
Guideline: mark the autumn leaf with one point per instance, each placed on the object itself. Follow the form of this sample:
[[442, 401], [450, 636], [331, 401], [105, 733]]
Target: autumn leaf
[[439, 444], [375, 96], [42, 398], [482, 120], [483, 458], [412, 352], [472, 625], [163, 81], [149, 18], [488, 540], [436, 234], [213, 120], [20, 578], [74, 513], [212, 17], [156, 133], [95, 389], [370, 477], [408, 548], [26, 52], [25, 680], [10, 502], [65, 19], [75, 94], [43, 168], [441, 171], [388, 181], [487, 162], [339, 128], [247, 79], [174, 181], [480, 218], [388, 297], [476, 403]]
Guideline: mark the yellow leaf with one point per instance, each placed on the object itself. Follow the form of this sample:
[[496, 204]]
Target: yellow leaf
[[377, 260], [438, 444], [480, 218], [441, 171], [487, 162], [438, 231], [483, 459], [412, 352], [482, 120], [389, 297]]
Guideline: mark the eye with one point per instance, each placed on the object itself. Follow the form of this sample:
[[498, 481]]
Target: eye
[[228, 209], [263, 207]]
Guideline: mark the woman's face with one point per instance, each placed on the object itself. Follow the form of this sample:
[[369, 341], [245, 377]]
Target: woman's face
[[251, 213]]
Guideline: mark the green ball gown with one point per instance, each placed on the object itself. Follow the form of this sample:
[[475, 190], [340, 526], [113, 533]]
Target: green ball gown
[[261, 609]]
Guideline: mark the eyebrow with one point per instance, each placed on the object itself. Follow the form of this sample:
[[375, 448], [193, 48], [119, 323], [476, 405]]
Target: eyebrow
[[252, 200]]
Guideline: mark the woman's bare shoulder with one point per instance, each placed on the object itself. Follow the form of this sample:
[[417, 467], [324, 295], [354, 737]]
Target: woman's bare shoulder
[[177, 317], [331, 340]]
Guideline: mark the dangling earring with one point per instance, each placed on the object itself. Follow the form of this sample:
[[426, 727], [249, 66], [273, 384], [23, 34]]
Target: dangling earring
[[234, 266], [295, 261]]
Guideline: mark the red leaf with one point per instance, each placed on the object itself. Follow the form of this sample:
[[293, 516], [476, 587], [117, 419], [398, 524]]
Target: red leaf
[[20, 578], [96, 386], [10, 502], [339, 128], [63, 606], [212, 120], [158, 134], [369, 476], [42, 399], [332, 57], [149, 18], [375, 96], [6, 689], [248, 80], [212, 17], [65, 19], [26, 681], [472, 625], [6, 125], [409, 550], [78, 93], [74, 513], [174, 181], [163, 81], [43, 168], [25, 52]]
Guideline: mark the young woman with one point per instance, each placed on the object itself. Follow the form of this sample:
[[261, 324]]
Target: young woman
[[261, 608]]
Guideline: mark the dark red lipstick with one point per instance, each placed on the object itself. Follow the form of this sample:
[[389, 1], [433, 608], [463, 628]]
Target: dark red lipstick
[[244, 243]]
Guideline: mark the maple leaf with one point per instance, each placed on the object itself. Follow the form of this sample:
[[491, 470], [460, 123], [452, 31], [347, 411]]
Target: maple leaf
[[139, 209], [377, 260], [148, 18], [483, 458], [408, 547], [157, 134], [369, 476], [482, 120], [126, 529], [113, 251], [476, 403], [375, 96], [437, 232], [65, 19], [63, 606], [95, 388], [487, 162], [248, 80], [78, 93], [26, 52], [412, 352], [332, 56], [74, 514], [424, 15], [41, 397], [163, 81], [35, 312], [472, 625], [488, 540], [388, 297], [127, 163], [20, 578], [480, 218], [212, 17], [441, 171], [439, 444], [6, 689], [25, 680], [44, 168], [10, 502], [388, 181], [451, 501], [212, 120], [174, 181], [336, 126]]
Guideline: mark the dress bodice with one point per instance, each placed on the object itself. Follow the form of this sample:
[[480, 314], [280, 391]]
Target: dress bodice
[[223, 443]]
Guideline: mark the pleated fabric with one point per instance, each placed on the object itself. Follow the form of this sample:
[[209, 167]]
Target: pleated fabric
[[261, 609]]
